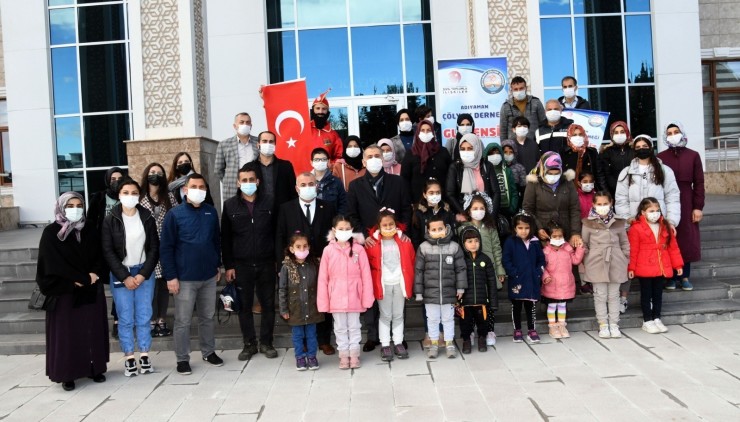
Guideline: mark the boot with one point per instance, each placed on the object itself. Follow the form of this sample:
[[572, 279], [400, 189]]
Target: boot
[[482, 347], [354, 359], [343, 359], [555, 330], [563, 331], [467, 347]]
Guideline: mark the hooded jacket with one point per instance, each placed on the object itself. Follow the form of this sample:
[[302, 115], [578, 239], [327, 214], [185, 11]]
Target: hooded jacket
[[345, 282], [422, 213], [490, 244], [375, 257], [650, 257], [524, 267], [482, 289], [633, 186], [607, 250], [519, 170], [562, 205], [506, 183], [329, 189], [440, 270], [559, 267]]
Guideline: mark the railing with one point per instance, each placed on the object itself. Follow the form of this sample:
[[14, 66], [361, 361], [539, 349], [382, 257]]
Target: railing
[[725, 152]]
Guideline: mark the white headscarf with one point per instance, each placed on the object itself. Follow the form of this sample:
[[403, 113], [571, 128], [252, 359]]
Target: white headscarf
[[468, 180]]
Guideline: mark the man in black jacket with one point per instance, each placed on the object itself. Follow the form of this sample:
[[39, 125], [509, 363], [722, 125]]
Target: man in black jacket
[[277, 176], [553, 131], [569, 98], [247, 247], [312, 217]]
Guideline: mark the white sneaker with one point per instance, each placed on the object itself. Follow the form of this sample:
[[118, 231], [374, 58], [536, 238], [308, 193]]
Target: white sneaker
[[614, 330], [650, 327], [622, 304], [604, 331], [490, 338], [662, 328]]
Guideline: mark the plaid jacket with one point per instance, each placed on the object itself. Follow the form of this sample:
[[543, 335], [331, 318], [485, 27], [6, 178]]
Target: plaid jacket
[[227, 163], [159, 219]]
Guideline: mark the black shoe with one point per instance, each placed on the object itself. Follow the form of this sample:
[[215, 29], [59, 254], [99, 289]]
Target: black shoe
[[163, 330], [183, 368], [369, 346], [268, 351], [155, 331], [68, 385], [114, 331], [405, 345], [98, 378], [250, 349], [214, 360], [467, 347]]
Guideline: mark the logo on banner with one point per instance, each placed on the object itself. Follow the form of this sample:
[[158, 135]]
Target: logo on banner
[[596, 121], [455, 77], [492, 81]]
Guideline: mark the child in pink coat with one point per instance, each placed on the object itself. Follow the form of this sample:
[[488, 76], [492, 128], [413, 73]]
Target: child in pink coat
[[345, 288], [558, 282]]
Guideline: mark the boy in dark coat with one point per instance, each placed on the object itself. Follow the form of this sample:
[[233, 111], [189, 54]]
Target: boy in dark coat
[[480, 296]]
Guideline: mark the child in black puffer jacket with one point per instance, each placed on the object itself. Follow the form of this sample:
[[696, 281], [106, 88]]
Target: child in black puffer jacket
[[480, 296]]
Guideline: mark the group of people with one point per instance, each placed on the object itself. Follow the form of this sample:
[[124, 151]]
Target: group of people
[[450, 223]]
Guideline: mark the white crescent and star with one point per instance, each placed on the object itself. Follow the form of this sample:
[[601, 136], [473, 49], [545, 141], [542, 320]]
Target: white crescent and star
[[289, 114]]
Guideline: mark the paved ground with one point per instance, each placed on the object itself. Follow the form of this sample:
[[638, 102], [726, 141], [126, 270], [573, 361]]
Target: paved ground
[[690, 373]]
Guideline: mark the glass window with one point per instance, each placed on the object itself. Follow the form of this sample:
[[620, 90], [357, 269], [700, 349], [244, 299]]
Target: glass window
[[376, 11], [705, 75], [97, 1], [104, 71], [281, 46], [599, 53], [414, 101], [557, 50], [60, 2], [612, 100], [104, 136], [72, 181], [642, 110], [417, 40], [280, 14], [728, 75], [64, 79], [321, 13], [339, 121], [636, 5], [639, 48], [101, 23], [596, 6], [729, 113], [96, 180], [324, 58], [69, 142], [3, 113], [554, 7], [376, 60], [5, 167], [554, 94], [377, 122], [62, 26], [708, 118]]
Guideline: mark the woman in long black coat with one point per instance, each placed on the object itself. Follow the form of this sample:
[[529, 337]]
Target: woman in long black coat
[[68, 273]]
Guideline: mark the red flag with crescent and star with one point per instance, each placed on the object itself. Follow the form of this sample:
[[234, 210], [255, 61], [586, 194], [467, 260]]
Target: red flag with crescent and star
[[286, 109]]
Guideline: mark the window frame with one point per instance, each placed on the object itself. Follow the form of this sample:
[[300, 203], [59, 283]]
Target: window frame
[[716, 91]]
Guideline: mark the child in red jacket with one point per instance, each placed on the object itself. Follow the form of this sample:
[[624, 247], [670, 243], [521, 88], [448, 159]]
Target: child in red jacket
[[392, 268], [654, 255]]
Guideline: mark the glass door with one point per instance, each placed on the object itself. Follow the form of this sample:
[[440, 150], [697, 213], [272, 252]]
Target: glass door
[[376, 121]]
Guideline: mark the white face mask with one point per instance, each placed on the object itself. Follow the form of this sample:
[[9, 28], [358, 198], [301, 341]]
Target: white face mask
[[374, 165], [196, 196], [587, 187], [519, 95], [307, 193], [551, 179], [434, 199], [464, 130], [128, 201], [577, 141], [430, 119], [244, 130], [509, 157], [557, 242], [495, 159], [467, 156], [477, 215], [602, 210], [405, 126], [674, 139], [267, 149], [343, 235], [73, 215], [552, 115], [425, 137], [569, 92], [521, 131], [353, 152], [319, 165], [653, 216], [388, 156], [619, 138]]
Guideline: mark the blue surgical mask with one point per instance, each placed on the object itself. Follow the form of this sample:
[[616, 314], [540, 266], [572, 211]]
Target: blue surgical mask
[[248, 188]]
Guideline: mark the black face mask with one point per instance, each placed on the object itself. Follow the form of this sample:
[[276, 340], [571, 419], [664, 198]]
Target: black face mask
[[320, 119], [643, 153], [184, 168], [112, 190], [154, 179]]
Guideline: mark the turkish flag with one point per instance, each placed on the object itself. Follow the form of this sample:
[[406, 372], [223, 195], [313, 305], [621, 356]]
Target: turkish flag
[[286, 108]]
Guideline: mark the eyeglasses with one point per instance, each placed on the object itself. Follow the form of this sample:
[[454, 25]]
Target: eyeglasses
[[321, 160]]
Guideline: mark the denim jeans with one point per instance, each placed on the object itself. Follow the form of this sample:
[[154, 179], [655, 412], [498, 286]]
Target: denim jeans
[[308, 333], [134, 309], [202, 296]]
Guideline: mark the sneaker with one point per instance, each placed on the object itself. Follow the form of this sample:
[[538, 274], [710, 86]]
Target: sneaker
[[354, 360], [650, 327], [482, 344], [183, 368], [250, 349], [433, 350], [686, 285], [400, 351], [659, 324], [145, 365], [300, 364], [129, 367], [155, 330], [670, 284], [344, 360], [313, 363], [491, 339], [518, 336], [614, 330], [554, 331], [163, 330], [533, 337], [623, 304], [467, 347], [604, 331], [564, 333], [386, 353], [451, 349], [214, 360], [268, 351]]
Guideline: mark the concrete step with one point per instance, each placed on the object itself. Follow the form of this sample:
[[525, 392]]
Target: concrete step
[[719, 268], [719, 232], [11, 255], [721, 219], [19, 269], [721, 249]]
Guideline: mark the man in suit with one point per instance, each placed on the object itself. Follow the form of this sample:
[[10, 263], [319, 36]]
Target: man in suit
[[366, 196], [312, 216], [278, 176], [234, 152]]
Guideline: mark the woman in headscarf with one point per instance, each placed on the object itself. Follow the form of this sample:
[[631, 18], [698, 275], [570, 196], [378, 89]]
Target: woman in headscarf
[[687, 167], [390, 165], [465, 125], [349, 167], [182, 167], [617, 155], [68, 273], [403, 142], [579, 156], [472, 173], [427, 159]]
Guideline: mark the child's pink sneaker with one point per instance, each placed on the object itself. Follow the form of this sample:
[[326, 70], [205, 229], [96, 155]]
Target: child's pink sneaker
[[518, 338]]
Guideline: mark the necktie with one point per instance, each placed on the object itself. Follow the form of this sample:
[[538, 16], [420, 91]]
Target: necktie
[[308, 213]]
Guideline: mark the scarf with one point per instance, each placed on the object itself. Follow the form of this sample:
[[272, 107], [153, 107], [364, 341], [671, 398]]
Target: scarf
[[684, 139], [468, 180], [388, 165], [61, 219], [179, 182], [355, 163], [606, 219], [424, 151], [581, 151]]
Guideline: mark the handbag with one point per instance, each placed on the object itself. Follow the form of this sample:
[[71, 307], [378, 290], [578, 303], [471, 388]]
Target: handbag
[[41, 302], [504, 226]]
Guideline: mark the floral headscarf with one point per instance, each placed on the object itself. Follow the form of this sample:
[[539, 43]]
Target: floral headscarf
[[626, 128], [571, 130], [684, 139], [61, 219], [549, 161]]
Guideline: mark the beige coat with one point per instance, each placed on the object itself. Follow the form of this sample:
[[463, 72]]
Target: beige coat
[[607, 250]]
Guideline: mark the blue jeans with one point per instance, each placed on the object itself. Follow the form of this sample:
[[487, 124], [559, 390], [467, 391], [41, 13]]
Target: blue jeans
[[305, 332], [134, 309]]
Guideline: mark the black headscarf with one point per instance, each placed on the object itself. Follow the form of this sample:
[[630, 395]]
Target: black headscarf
[[112, 190], [356, 162], [458, 136]]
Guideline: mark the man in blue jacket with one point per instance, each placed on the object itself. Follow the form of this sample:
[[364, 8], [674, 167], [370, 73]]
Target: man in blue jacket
[[190, 253]]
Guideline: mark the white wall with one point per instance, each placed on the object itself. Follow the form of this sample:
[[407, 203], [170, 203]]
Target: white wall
[[449, 31], [28, 81]]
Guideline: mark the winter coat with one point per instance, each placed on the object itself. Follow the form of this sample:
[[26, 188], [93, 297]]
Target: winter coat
[[190, 246], [612, 160], [375, 257], [562, 205], [581, 103], [534, 111], [586, 201], [526, 155], [559, 267], [345, 282], [364, 204], [422, 214], [633, 187], [509, 189], [482, 289], [437, 167], [607, 250], [346, 173], [589, 163], [650, 257], [490, 244], [490, 184], [440, 270], [297, 291], [329, 189], [687, 167], [114, 243], [553, 138], [247, 238], [524, 267]]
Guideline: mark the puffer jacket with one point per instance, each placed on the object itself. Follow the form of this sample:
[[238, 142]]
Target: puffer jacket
[[440, 270], [633, 187], [345, 282], [489, 244], [559, 267], [375, 257], [524, 267], [650, 257], [114, 242], [562, 205], [607, 250], [482, 289], [297, 291]]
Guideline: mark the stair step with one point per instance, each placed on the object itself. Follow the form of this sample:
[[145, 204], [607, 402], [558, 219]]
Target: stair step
[[721, 219], [708, 268], [720, 249], [719, 232], [19, 254], [20, 269]]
